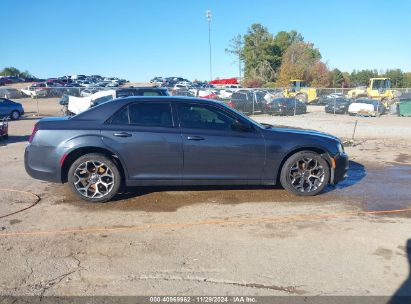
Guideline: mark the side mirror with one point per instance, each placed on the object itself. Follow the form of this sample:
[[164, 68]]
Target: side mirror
[[239, 126]]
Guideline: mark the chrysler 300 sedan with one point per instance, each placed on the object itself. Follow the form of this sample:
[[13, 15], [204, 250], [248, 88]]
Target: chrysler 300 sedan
[[151, 141]]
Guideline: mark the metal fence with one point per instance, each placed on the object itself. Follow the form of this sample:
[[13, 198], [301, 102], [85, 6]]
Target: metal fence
[[286, 101], [251, 101]]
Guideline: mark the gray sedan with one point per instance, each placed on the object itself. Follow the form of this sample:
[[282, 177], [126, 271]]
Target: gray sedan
[[148, 141]]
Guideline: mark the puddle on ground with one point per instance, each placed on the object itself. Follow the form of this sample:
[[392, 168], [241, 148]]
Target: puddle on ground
[[369, 187], [377, 188], [168, 199], [403, 158]]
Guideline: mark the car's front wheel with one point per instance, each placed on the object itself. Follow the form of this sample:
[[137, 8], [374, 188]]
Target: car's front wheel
[[305, 173], [94, 178]]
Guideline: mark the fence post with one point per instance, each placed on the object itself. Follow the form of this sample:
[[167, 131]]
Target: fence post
[[355, 128], [254, 97], [37, 103], [295, 106]]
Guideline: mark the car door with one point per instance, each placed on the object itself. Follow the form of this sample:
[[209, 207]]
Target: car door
[[4, 107], [149, 143], [219, 146]]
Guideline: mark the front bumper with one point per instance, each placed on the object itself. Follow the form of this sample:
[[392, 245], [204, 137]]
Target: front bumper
[[339, 172]]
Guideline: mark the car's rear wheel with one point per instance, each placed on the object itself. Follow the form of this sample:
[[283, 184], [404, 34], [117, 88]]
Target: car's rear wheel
[[15, 115], [94, 177], [305, 173]]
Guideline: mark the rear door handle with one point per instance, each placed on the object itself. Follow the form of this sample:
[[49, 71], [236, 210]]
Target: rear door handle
[[195, 138], [122, 134]]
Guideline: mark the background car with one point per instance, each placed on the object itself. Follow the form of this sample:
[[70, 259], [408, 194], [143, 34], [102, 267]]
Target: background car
[[366, 107], [248, 101], [9, 108], [285, 106], [88, 92], [325, 99], [225, 93], [10, 93], [187, 93], [35, 90], [338, 105]]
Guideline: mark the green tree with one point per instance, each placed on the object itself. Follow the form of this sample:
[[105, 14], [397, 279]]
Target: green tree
[[337, 78], [284, 39], [407, 80], [236, 48], [12, 71], [262, 57], [361, 78], [396, 76]]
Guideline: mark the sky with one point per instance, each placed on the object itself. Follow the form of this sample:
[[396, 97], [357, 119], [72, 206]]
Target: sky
[[140, 39]]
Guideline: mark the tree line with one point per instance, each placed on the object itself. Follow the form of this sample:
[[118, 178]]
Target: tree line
[[12, 71], [273, 60]]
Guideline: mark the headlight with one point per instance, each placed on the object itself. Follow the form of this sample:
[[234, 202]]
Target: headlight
[[340, 148]]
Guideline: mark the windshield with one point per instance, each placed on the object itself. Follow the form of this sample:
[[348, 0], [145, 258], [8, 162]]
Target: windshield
[[244, 116], [381, 84]]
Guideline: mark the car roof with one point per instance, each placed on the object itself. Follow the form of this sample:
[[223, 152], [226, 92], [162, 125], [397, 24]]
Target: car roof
[[168, 98]]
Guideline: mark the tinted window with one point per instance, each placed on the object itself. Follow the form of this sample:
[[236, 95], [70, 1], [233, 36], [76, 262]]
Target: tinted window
[[121, 117], [144, 114], [102, 99], [151, 93], [126, 93], [151, 114], [204, 117]]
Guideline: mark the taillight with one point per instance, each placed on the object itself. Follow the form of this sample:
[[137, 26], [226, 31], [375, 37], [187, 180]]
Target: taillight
[[35, 129]]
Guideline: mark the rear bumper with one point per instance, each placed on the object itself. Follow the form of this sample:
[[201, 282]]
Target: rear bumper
[[339, 173], [38, 171]]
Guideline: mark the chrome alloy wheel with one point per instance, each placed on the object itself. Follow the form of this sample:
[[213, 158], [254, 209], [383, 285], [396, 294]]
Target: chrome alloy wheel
[[93, 179], [306, 175]]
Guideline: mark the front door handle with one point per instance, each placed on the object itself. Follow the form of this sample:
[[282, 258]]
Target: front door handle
[[195, 138], [122, 134]]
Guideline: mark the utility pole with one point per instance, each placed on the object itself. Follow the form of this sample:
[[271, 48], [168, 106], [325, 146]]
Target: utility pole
[[209, 16]]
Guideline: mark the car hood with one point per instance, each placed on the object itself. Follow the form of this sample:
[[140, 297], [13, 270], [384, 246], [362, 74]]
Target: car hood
[[300, 131]]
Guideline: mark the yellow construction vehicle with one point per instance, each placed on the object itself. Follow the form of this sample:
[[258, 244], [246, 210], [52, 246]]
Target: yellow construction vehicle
[[301, 92], [378, 88]]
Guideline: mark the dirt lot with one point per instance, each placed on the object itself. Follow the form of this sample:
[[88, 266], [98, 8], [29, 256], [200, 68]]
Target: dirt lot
[[351, 240]]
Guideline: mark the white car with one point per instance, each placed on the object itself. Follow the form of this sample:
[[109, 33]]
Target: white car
[[366, 107], [35, 91], [204, 93], [186, 83], [225, 94], [180, 86], [77, 105]]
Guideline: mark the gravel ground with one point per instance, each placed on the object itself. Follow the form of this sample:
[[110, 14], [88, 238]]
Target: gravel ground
[[351, 240]]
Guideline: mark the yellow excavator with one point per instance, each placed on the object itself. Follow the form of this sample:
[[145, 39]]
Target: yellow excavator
[[378, 88], [299, 89]]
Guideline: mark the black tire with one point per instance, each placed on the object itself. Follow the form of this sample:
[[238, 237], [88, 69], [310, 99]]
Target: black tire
[[6, 136], [15, 115], [319, 184], [112, 169]]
